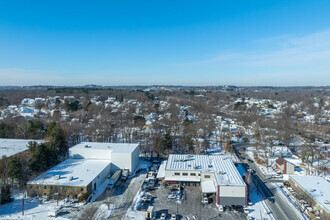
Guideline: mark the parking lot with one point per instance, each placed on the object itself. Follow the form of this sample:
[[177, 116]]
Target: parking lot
[[191, 206]]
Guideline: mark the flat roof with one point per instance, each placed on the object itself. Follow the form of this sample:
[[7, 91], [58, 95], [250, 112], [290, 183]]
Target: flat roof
[[83, 172], [114, 147], [161, 170], [10, 147], [316, 186], [221, 165], [208, 187]]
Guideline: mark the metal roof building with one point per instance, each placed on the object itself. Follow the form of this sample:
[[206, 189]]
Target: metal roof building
[[215, 174]]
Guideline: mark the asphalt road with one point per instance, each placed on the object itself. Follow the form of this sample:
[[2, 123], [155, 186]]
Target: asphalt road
[[279, 208]]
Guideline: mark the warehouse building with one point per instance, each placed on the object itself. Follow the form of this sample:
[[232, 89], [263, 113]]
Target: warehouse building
[[87, 168], [214, 174], [315, 190]]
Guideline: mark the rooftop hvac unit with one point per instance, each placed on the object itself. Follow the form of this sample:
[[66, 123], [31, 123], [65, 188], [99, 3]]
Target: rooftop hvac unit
[[70, 178], [86, 146], [57, 177]]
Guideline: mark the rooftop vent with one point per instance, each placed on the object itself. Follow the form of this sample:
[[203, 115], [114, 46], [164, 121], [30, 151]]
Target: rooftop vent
[[57, 177], [86, 146], [70, 178]]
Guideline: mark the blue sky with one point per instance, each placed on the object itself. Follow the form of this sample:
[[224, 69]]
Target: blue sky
[[279, 43]]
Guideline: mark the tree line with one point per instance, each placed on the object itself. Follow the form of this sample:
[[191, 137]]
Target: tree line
[[17, 170]]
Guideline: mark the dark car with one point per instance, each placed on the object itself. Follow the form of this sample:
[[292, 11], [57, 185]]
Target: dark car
[[251, 161]]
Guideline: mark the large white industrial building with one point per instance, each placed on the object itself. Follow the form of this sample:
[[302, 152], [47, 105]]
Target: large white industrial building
[[214, 174], [122, 156], [88, 166]]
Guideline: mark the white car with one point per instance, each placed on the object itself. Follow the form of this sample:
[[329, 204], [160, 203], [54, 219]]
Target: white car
[[163, 216], [246, 210], [205, 200], [173, 217], [220, 208]]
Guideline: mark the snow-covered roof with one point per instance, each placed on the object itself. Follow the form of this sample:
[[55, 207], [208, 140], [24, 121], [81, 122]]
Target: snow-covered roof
[[83, 171], [114, 147], [9, 147], [317, 187], [221, 165], [161, 170], [208, 187]]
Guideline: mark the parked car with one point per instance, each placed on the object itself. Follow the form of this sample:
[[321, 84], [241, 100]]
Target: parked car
[[163, 216], [205, 200], [173, 217], [251, 161], [221, 209], [172, 197]]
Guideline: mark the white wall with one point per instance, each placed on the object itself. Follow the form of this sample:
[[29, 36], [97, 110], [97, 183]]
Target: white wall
[[101, 177], [135, 159], [232, 191], [90, 153]]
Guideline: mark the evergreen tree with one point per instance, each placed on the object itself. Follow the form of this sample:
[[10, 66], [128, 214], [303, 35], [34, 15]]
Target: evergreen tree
[[4, 130], [5, 194], [15, 169], [58, 138]]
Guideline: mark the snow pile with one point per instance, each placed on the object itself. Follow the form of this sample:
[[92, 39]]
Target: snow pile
[[103, 212], [143, 165], [132, 212], [280, 191]]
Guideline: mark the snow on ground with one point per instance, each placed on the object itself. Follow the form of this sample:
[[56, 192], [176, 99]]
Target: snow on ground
[[9, 147], [132, 212], [143, 165], [32, 209], [103, 212], [259, 209]]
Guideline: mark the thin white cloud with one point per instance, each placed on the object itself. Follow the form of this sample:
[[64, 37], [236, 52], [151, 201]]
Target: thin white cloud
[[282, 52]]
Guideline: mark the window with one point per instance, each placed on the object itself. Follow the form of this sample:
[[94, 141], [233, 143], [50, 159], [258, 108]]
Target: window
[[45, 187], [81, 189], [176, 174], [207, 176], [31, 187], [192, 174], [199, 174], [184, 174], [51, 187]]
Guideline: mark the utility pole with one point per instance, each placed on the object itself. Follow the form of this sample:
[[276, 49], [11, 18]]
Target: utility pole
[[23, 202]]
